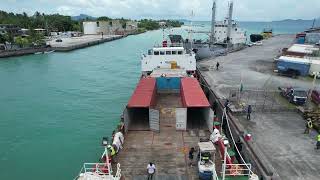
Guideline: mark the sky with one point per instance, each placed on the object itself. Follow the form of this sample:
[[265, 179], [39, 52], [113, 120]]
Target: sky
[[244, 10]]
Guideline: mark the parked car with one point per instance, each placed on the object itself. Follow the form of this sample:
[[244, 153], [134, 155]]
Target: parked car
[[258, 43], [315, 96], [294, 95]]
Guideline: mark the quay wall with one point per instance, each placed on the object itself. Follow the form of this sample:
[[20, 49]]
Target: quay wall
[[250, 153], [26, 51], [86, 44]]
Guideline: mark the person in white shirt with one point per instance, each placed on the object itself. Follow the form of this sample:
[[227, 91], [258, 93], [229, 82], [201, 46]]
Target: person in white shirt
[[151, 170]]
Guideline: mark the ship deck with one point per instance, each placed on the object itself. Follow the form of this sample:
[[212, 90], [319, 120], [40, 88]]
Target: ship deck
[[168, 149]]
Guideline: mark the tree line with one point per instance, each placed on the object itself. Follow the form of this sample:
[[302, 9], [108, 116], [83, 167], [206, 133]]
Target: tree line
[[52, 22], [149, 24]]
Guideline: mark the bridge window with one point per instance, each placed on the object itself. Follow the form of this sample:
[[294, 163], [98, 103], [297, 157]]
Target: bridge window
[[156, 52], [168, 52], [180, 52], [161, 52], [174, 52]]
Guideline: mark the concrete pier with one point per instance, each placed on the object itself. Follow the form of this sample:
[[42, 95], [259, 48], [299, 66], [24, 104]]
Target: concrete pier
[[279, 149], [69, 44]]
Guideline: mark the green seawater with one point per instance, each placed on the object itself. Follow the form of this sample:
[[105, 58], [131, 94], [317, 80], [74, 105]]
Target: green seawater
[[55, 108]]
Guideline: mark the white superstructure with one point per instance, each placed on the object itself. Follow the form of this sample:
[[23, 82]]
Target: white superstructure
[[237, 35], [164, 57]]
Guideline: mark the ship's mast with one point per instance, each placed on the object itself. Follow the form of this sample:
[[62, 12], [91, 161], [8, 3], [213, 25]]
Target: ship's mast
[[229, 22], [213, 22]]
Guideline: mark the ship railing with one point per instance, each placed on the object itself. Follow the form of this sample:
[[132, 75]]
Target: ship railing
[[99, 168], [169, 45], [118, 173], [237, 169]]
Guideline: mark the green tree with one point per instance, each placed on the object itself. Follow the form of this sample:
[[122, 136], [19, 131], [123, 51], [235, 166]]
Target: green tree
[[103, 18], [148, 24], [21, 42]]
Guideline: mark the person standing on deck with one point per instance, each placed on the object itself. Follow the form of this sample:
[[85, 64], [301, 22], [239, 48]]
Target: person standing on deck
[[318, 142], [151, 170], [309, 126], [249, 111], [217, 66]]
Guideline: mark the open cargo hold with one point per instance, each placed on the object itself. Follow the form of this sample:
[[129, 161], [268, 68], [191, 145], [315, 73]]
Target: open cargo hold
[[195, 112], [198, 112], [139, 113], [299, 65]]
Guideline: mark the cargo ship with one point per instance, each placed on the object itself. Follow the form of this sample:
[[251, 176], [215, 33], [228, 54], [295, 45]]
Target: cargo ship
[[167, 115], [224, 37]]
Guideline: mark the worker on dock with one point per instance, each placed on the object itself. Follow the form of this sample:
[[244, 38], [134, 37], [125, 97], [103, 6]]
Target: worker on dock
[[191, 151], [309, 126], [151, 170], [249, 111], [217, 66], [318, 142]]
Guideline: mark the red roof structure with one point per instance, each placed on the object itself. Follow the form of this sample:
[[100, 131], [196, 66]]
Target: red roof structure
[[192, 94], [144, 95]]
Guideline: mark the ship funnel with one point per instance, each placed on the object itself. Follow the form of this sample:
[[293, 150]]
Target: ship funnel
[[213, 22], [229, 21]]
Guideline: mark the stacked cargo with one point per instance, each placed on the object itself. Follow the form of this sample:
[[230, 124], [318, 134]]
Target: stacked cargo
[[314, 115], [300, 38], [299, 59], [296, 66], [313, 38]]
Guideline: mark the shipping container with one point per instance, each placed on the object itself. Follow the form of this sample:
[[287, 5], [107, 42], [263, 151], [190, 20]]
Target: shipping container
[[300, 40], [301, 66], [314, 67], [312, 38]]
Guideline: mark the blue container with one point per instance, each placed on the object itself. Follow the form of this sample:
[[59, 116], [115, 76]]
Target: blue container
[[301, 40], [302, 67], [166, 83]]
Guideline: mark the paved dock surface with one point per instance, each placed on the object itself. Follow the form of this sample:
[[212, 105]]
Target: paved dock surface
[[253, 66], [278, 135]]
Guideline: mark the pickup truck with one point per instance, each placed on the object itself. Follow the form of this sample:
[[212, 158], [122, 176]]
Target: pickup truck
[[296, 96]]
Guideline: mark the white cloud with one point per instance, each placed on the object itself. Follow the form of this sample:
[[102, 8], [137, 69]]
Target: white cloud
[[243, 9]]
